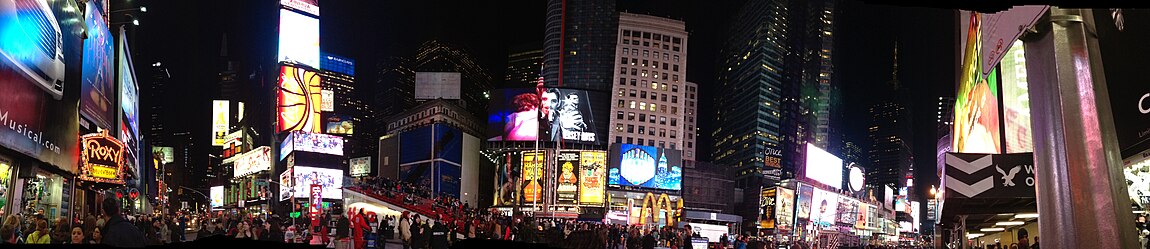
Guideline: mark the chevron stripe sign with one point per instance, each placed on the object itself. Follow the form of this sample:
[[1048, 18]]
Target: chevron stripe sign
[[990, 175]]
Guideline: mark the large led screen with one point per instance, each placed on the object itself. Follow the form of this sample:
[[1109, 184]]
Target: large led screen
[[513, 115], [976, 119], [1016, 101], [41, 50], [339, 124], [532, 173], [805, 193], [824, 207], [299, 39], [331, 180], [645, 167], [824, 167], [257, 160], [286, 184], [509, 170], [767, 208], [99, 89], [298, 100], [318, 143], [593, 170], [219, 122], [567, 191], [217, 195], [574, 115], [129, 96]]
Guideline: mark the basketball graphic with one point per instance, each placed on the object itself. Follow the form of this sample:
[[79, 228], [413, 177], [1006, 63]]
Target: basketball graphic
[[299, 100]]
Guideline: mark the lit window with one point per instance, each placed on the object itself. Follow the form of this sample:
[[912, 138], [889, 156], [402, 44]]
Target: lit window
[[642, 105], [632, 104]]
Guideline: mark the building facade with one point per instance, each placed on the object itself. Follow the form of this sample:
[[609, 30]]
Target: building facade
[[578, 45], [523, 66], [651, 89], [891, 135]]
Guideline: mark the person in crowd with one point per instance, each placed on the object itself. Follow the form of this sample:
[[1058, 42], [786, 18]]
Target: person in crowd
[[342, 227], [438, 234], [175, 230], [10, 231], [417, 233], [94, 236], [405, 229], [60, 232], [77, 237], [164, 231], [40, 235], [741, 242], [649, 240], [89, 224], [687, 234], [1035, 245], [359, 227], [206, 230], [120, 232], [243, 230]]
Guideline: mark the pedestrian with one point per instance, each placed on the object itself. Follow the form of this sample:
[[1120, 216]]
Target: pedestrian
[[77, 236], [359, 225], [164, 231], [206, 230], [274, 230], [60, 232], [243, 230], [417, 232], [94, 236], [119, 232], [175, 230], [405, 229], [1035, 245], [687, 234], [10, 231], [649, 240], [40, 235], [438, 235]]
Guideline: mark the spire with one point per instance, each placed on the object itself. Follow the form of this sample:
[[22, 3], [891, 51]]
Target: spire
[[894, 73]]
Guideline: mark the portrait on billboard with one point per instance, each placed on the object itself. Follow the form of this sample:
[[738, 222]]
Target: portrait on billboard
[[514, 115], [569, 115], [509, 172], [99, 89], [567, 191], [806, 193], [824, 207]]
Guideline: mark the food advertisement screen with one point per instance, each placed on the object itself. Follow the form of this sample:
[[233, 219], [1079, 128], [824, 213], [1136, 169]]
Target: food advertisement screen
[[976, 117], [330, 179], [339, 124], [219, 122], [513, 115], [298, 100], [645, 167], [567, 191], [1016, 101], [592, 182], [532, 172], [41, 48], [574, 115], [299, 39]]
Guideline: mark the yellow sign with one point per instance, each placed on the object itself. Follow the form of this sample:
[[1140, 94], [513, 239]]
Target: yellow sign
[[103, 172], [101, 158]]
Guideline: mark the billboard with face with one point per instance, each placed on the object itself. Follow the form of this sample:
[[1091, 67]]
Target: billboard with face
[[573, 115], [513, 115], [806, 193], [592, 177], [510, 171], [645, 167], [824, 207], [298, 100], [784, 208], [41, 50], [331, 180]]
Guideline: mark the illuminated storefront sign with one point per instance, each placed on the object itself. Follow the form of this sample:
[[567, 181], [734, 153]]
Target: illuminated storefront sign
[[254, 161], [102, 158]]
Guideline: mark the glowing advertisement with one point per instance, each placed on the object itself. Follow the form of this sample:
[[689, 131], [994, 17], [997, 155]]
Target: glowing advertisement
[[509, 172], [307, 6], [360, 166], [217, 195], [513, 115], [824, 167], [645, 167], [573, 115], [102, 158], [532, 173], [330, 180], [593, 170], [315, 142], [805, 194], [976, 117], [1016, 101], [166, 154], [219, 122], [298, 100], [901, 203], [863, 216], [129, 94], [286, 184], [767, 208], [1122, 45], [339, 124], [914, 214], [848, 210], [254, 161], [99, 88], [824, 207], [888, 195], [784, 208], [327, 100], [567, 191], [299, 39]]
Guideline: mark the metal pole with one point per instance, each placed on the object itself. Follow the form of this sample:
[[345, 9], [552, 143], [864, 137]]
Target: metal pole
[[1080, 196]]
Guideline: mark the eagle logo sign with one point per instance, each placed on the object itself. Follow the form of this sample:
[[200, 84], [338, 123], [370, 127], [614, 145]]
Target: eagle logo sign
[[1008, 179]]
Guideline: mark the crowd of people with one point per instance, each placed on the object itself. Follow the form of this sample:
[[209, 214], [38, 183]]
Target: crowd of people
[[110, 228]]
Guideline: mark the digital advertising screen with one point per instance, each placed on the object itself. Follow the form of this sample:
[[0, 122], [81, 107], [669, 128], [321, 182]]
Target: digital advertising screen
[[592, 177], [298, 99], [767, 208], [41, 50], [330, 179], [784, 209], [509, 171], [415, 145], [824, 207], [567, 191], [915, 215], [448, 143], [824, 167], [976, 117], [259, 159], [286, 184], [806, 193], [299, 39], [219, 122], [645, 167], [1016, 100], [99, 89], [574, 115], [326, 100], [513, 115], [307, 6], [339, 125], [360, 166], [318, 143], [532, 173], [848, 210], [447, 179], [129, 95], [337, 63], [1122, 43], [217, 195]]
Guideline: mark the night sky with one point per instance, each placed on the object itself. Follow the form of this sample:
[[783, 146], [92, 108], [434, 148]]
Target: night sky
[[185, 36]]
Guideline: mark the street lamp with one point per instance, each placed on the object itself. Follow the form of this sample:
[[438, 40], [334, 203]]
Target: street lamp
[[141, 9]]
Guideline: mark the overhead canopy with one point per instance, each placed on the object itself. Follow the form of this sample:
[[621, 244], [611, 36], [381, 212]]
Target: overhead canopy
[[985, 212]]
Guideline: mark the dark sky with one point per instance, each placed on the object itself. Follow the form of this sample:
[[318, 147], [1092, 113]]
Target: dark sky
[[185, 35]]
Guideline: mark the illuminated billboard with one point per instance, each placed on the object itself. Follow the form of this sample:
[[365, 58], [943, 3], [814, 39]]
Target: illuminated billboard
[[326, 100], [286, 184], [513, 115], [824, 207], [217, 195], [259, 159], [360, 166], [576, 115], [129, 96], [312, 142], [567, 189], [509, 171], [784, 208], [437, 85], [299, 39], [592, 182], [847, 210], [298, 100], [532, 173], [1016, 101], [167, 154], [307, 6], [805, 194], [102, 158], [976, 119], [1122, 45], [914, 214], [339, 124], [645, 167], [767, 208], [98, 91], [824, 167], [219, 122], [331, 180]]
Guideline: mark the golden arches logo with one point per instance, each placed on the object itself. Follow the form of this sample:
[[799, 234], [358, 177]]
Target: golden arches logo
[[651, 204]]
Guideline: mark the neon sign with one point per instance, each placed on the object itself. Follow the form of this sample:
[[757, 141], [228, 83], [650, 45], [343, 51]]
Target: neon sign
[[102, 158]]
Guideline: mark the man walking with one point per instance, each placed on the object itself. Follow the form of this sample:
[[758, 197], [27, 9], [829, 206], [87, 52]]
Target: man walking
[[117, 231]]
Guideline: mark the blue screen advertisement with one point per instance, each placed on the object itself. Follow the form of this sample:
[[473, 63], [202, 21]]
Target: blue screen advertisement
[[415, 145], [448, 144], [645, 167], [447, 181]]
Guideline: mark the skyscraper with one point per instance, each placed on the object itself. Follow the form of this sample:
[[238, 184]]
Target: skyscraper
[[818, 72], [397, 80], [157, 133], [891, 134], [523, 65], [578, 46], [651, 91], [339, 77]]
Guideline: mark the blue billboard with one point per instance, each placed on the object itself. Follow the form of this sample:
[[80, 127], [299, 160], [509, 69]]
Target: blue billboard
[[645, 167], [336, 63], [415, 145]]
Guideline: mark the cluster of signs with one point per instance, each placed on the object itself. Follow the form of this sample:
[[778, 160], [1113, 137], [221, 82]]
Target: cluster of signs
[[778, 209]]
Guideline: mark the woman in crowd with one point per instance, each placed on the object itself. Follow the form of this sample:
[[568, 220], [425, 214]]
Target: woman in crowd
[[77, 237], [243, 230], [10, 231], [95, 236], [40, 235], [61, 233]]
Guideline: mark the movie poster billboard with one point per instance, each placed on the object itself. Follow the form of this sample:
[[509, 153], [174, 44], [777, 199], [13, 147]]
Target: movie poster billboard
[[99, 89], [592, 182], [509, 170], [298, 99], [40, 73], [824, 207], [767, 208], [784, 208], [532, 173], [513, 115], [567, 191], [574, 115], [286, 184], [806, 193], [645, 167]]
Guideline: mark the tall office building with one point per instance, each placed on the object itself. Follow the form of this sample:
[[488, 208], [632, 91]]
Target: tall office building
[[891, 134], [818, 73], [651, 88], [578, 46], [349, 110], [523, 65], [395, 92], [157, 105], [691, 111]]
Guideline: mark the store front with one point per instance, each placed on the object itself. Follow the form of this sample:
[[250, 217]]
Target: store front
[[643, 208]]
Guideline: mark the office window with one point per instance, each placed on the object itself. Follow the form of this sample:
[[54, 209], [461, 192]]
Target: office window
[[619, 127], [620, 105], [664, 87], [625, 41], [662, 144], [632, 82], [619, 115], [675, 78], [674, 99], [652, 119], [634, 52], [623, 60], [632, 93], [651, 131], [690, 144], [642, 117], [675, 68], [642, 129], [643, 106], [662, 120], [675, 88], [656, 75], [630, 116], [634, 61], [642, 94], [644, 63], [646, 53], [674, 134], [646, 44], [664, 75], [654, 107], [676, 58], [674, 122], [657, 37], [676, 49], [673, 146], [618, 139], [626, 32], [646, 35], [621, 92], [635, 42], [654, 85], [650, 142], [677, 40], [662, 132], [626, 51], [664, 97], [640, 141], [674, 110], [630, 140], [666, 38], [630, 128], [644, 74], [665, 66], [664, 46], [632, 104], [622, 81], [653, 97], [665, 55], [634, 71]]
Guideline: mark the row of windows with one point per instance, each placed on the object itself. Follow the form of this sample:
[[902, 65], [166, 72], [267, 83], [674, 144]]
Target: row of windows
[[634, 52], [654, 64], [644, 117], [649, 142], [652, 36], [651, 40], [654, 96], [654, 85], [644, 106], [644, 130], [652, 74]]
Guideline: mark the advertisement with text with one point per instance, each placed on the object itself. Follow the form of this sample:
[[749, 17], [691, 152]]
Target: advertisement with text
[[532, 175], [567, 191], [574, 115], [592, 177]]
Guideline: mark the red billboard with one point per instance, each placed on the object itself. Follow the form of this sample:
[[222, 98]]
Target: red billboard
[[298, 100]]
